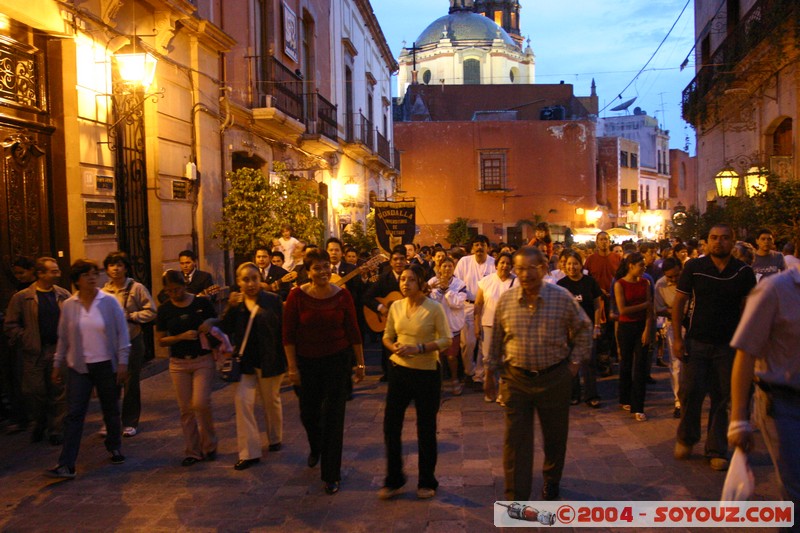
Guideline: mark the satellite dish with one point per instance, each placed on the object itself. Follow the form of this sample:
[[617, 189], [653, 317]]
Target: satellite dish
[[624, 105]]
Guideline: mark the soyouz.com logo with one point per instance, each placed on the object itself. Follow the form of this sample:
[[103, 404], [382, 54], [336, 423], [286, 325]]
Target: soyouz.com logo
[[643, 514]]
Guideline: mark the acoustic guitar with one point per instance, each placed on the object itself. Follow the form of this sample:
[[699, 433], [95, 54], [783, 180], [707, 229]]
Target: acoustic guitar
[[375, 320], [340, 281]]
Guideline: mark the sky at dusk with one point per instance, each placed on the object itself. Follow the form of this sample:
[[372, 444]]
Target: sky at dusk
[[577, 40]]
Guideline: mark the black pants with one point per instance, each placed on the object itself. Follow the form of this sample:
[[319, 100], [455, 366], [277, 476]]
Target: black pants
[[79, 391], [132, 400], [424, 387], [323, 396], [634, 365]]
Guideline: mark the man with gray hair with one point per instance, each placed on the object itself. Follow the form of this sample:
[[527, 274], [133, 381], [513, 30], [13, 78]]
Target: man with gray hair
[[541, 336], [32, 326]]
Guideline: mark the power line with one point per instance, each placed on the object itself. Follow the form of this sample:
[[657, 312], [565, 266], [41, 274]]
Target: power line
[[619, 96]]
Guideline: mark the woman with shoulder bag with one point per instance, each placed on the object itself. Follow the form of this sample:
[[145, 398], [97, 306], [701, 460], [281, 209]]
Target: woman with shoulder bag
[[254, 325], [139, 309]]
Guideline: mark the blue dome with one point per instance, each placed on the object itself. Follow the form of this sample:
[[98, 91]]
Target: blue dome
[[463, 26]]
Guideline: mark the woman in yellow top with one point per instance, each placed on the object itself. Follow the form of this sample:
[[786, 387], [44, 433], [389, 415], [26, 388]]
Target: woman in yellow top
[[416, 330]]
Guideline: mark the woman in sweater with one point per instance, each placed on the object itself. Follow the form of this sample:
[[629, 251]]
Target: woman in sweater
[[320, 335], [416, 330], [93, 343], [263, 363]]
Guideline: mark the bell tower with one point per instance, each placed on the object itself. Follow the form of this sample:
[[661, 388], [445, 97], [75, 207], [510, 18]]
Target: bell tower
[[504, 12], [461, 5]]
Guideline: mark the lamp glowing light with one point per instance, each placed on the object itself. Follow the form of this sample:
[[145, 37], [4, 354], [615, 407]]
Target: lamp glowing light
[[755, 181], [137, 69], [727, 181]]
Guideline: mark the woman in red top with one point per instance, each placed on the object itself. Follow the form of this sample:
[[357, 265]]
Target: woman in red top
[[320, 335], [542, 235], [635, 303]]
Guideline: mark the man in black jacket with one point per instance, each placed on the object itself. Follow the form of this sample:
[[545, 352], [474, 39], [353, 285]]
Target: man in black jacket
[[379, 297]]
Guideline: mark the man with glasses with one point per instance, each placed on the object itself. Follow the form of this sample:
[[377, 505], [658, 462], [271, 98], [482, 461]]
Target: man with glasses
[[541, 336]]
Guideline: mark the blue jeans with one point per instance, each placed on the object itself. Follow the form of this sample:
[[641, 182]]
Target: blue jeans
[[79, 392], [706, 370], [778, 416]]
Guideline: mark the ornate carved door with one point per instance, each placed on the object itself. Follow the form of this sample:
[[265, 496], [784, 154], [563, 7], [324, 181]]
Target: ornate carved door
[[24, 202]]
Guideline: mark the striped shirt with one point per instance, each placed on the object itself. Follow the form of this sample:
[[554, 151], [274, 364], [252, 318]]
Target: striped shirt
[[534, 339]]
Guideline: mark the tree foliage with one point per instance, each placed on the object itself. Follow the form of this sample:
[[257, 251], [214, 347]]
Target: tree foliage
[[458, 232], [355, 235], [777, 208], [254, 210]]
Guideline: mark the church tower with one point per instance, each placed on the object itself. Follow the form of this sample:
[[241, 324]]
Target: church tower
[[504, 12], [461, 5]]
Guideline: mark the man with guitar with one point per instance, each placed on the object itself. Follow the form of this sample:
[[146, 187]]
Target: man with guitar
[[380, 296]]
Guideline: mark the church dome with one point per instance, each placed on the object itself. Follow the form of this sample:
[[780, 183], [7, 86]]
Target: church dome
[[463, 26]]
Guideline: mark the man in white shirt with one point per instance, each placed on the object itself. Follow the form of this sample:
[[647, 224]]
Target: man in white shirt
[[471, 269]]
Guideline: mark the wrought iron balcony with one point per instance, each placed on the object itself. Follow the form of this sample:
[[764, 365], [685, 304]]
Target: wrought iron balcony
[[396, 160], [384, 148], [320, 116], [763, 20], [360, 131], [286, 89]]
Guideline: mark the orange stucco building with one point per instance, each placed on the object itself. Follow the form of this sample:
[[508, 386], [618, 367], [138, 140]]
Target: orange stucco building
[[496, 155]]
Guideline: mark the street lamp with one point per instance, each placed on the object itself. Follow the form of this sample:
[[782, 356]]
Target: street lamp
[[137, 69], [755, 181], [727, 181]]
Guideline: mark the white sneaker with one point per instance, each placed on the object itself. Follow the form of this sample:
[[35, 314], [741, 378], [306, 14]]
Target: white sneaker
[[424, 493], [129, 432]]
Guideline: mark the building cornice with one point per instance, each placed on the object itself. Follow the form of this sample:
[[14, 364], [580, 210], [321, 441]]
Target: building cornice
[[365, 8]]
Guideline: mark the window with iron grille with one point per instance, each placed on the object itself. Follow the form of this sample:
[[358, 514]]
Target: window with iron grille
[[493, 170]]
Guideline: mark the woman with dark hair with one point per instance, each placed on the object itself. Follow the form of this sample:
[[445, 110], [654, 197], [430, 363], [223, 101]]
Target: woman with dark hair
[[191, 367], [139, 308], [451, 292], [634, 300], [320, 336], [416, 331], [263, 363], [587, 293], [93, 342]]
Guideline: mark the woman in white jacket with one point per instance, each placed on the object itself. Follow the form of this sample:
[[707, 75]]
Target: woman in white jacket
[[451, 292]]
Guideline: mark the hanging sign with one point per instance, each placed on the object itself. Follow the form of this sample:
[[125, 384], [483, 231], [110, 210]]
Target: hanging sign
[[394, 224]]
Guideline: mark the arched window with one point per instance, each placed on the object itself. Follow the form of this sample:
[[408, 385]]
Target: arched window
[[472, 72]]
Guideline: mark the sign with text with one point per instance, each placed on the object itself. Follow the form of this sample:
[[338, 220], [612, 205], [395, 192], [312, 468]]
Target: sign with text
[[101, 218], [394, 224]]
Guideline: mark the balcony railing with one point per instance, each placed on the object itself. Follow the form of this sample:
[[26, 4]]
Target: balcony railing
[[360, 130], [384, 148], [762, 20], [286, 89], [320, 115], [396, 160]]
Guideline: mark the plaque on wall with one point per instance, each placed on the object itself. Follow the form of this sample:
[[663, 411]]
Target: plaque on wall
[[180, 190], [101, 218], [104, 184]]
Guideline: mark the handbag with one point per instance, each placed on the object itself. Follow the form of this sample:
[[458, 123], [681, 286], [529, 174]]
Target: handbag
[[231, 369]]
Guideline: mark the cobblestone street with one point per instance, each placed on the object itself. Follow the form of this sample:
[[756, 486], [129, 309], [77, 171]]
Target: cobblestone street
[[610, 457]]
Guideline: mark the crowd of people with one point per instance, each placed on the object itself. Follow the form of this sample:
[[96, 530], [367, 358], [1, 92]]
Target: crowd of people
[[532, 328]]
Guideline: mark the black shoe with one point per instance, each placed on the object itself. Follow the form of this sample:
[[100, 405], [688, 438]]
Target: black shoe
[[384, 378], [210, 456], [650, 380], [244, 464], [332, 487], [62, 472], [117, 458], [550, 491], [313, 459], [275, 447], [676, 413], [575, 401], [56, 440], [37, 435], [189, 461]]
